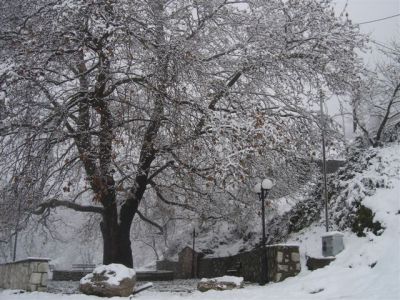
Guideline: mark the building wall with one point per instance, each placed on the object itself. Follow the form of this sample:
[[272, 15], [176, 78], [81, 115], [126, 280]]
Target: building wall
[[29, 274]]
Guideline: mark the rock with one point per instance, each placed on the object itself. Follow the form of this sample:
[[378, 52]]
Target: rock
[[220, 283], [109, 281], [318, 263]]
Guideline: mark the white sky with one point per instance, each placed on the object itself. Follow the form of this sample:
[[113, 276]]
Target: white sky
[[367, 10]]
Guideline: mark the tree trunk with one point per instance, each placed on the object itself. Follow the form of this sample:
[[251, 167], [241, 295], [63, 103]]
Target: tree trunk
[[116, 239]]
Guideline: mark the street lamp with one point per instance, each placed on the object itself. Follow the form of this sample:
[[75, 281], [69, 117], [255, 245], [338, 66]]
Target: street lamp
[[262, 189]]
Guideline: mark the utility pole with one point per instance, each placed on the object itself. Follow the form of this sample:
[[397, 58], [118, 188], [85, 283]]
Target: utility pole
[[321, 103], [17, 224], [264, 261], [193, 255]]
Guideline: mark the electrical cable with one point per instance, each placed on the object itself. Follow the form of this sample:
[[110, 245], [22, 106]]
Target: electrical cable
[[378, 20]]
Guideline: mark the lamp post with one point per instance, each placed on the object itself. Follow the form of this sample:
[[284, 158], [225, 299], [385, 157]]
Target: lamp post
[[262, 189]]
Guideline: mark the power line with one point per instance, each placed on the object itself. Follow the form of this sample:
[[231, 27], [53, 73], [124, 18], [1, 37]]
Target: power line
[[378, 20]]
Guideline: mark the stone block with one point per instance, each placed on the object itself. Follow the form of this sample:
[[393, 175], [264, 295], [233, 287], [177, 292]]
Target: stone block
[[35, 278], [33, 288], [284, 268], [295, 257], [42, 289], [43, 267], [279, 256], [278, 277], [23, 271], [298, 267], [13, 281], [44, 279], [33, 266]]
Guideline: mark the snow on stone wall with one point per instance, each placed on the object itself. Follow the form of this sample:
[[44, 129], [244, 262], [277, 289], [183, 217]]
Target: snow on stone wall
[[30, 274]]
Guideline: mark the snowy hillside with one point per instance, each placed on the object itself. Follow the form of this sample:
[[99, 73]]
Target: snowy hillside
[[368, 268]]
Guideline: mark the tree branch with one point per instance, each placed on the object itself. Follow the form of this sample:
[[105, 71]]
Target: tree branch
[[141, 216], [121, 82], [386, 117], [162, 198], [160, 170], [218, 96], [53, 203]]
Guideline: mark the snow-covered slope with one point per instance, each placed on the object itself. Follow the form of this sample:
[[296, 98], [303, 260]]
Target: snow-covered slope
[[368, 268]]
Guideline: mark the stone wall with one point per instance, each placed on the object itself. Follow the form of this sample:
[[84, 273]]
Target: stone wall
[[283, 261], [75, 275], [216, 267], [250, 263], [154, 276], [168, 265], [29, 274], [68, 275]]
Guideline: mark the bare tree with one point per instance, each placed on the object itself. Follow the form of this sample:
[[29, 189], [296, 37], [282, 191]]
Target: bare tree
[[377, 98], [108, 101]]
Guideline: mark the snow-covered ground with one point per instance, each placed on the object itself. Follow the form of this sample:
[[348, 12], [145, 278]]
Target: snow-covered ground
[[368, 268]]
